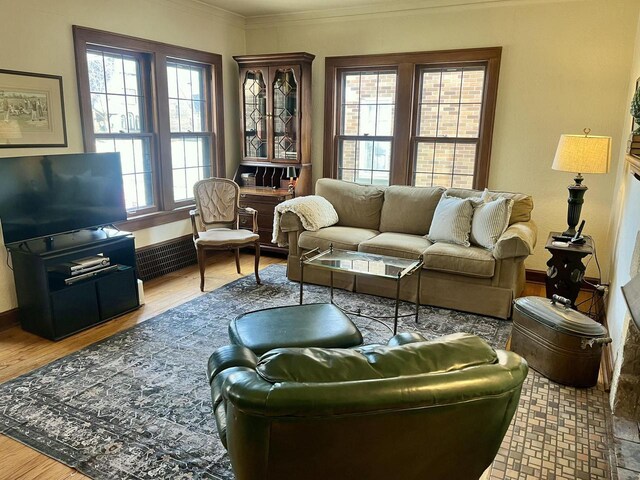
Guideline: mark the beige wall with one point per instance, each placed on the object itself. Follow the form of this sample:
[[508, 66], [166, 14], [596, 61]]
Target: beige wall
[[625, 225], [565, 66], [36, 36]]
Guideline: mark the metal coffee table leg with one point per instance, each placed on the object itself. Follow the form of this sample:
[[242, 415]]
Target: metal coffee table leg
[[395, 315], [419, 273], [301, 276]]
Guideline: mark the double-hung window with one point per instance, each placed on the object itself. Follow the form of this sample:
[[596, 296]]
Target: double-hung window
[[160, 107], [366, 129], [422, 119]]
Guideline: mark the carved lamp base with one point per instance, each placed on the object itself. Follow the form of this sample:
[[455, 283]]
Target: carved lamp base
[[576, 199]]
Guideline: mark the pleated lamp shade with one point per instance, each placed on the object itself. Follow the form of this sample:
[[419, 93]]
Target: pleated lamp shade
[[583, 154]]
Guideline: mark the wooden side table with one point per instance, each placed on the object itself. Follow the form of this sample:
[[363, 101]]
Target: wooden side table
[[565, 270]]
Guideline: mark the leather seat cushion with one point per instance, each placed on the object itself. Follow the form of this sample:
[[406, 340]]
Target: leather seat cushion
[[401, 245], [460, 260], [345, 238], [316, 365], [313, 325], [226, 236]]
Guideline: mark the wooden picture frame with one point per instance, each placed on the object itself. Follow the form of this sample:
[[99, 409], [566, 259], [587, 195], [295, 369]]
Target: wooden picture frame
[[31, 110]]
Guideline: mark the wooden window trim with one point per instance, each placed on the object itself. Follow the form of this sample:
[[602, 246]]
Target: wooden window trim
[[158, 111], [407, 66]]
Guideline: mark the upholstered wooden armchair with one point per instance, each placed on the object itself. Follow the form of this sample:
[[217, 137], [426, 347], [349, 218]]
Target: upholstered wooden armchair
[[215, 222]]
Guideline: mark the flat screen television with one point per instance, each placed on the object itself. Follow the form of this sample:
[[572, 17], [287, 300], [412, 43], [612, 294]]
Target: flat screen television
[[45, 195]]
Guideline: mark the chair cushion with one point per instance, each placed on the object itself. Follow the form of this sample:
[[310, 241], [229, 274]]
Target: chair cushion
[[468, 261], [315, 324], [357, 205], [344, 238], [400, 245], [317, 365], [522, 204], [417, 205], [226, 236], [452, 221]]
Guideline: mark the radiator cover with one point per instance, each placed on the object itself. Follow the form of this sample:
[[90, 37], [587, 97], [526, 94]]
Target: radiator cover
[[165, 257]]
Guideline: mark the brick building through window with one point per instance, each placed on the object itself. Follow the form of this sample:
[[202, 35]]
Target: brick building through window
[[420, 119]]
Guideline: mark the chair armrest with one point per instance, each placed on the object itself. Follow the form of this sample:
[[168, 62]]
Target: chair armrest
[[254, 213], [518, 240], [230, 356], [193, 214], [404, 338]]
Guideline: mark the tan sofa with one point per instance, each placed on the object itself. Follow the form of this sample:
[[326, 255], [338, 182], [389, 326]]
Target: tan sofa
[[394, 221]]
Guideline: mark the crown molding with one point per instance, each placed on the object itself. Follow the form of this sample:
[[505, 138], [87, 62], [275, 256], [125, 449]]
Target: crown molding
[[201, 6], [380, 10]]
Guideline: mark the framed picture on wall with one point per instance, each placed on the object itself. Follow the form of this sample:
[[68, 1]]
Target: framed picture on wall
[[31, 110]]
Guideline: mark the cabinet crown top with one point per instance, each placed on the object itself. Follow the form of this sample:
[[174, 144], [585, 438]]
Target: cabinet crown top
[[268, 58]]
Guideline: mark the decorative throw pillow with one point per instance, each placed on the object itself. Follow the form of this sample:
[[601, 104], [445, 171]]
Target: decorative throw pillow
[[490, 220], [452, 221]]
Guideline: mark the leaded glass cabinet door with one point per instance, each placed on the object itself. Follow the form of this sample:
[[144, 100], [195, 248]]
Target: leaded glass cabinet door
[[285, 120], [254, 128]]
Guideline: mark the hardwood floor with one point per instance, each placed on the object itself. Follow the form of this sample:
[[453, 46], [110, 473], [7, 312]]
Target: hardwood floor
[[21, 352]]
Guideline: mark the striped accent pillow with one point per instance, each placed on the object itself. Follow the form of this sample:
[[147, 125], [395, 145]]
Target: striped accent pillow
[[490, 220], [452, 221]]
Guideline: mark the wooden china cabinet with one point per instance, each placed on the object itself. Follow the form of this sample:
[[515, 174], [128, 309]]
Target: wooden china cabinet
[[275, 128]]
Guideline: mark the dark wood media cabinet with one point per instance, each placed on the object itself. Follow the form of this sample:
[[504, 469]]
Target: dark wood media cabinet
[[52, 309]]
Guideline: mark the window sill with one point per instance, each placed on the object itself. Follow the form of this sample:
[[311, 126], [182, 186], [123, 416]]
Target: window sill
[[154, 219]]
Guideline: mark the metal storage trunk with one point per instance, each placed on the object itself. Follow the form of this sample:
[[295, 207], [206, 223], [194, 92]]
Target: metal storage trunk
[[561, 343]]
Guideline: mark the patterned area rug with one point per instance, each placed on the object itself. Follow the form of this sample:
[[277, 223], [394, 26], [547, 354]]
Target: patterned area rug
[[137, 405]]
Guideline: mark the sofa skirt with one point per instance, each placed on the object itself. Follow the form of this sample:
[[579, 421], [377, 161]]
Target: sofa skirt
[[468, 294]]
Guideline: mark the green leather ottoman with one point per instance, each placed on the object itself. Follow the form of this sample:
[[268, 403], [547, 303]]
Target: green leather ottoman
[[311, 325]]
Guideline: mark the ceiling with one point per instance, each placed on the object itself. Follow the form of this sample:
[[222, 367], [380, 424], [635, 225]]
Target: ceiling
[[256, 8]]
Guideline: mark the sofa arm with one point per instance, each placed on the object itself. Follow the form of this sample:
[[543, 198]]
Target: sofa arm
[[518, 240], [290, 222], [290, 228]]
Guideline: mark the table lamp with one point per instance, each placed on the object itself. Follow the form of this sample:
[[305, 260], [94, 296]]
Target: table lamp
[[582, 154], [291, 173]]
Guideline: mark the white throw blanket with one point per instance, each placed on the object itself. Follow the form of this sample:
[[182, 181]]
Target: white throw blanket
[[313, 211]]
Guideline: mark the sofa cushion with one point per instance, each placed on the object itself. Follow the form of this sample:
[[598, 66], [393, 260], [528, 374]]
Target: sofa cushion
[[490, 220], [467, 261], [357, 205], [522, 204], [344, 238], [400, 245], [452, 221], [417, 205]]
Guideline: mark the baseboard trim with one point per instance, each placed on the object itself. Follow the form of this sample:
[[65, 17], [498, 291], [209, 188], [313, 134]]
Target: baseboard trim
[[607, 355], [9, 319], [539, 276]]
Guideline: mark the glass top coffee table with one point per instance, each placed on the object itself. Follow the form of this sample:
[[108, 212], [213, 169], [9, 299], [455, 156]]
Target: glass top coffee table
[[370, 264]]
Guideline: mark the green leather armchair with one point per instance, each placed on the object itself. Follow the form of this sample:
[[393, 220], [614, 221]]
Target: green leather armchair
[[413, 409]]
